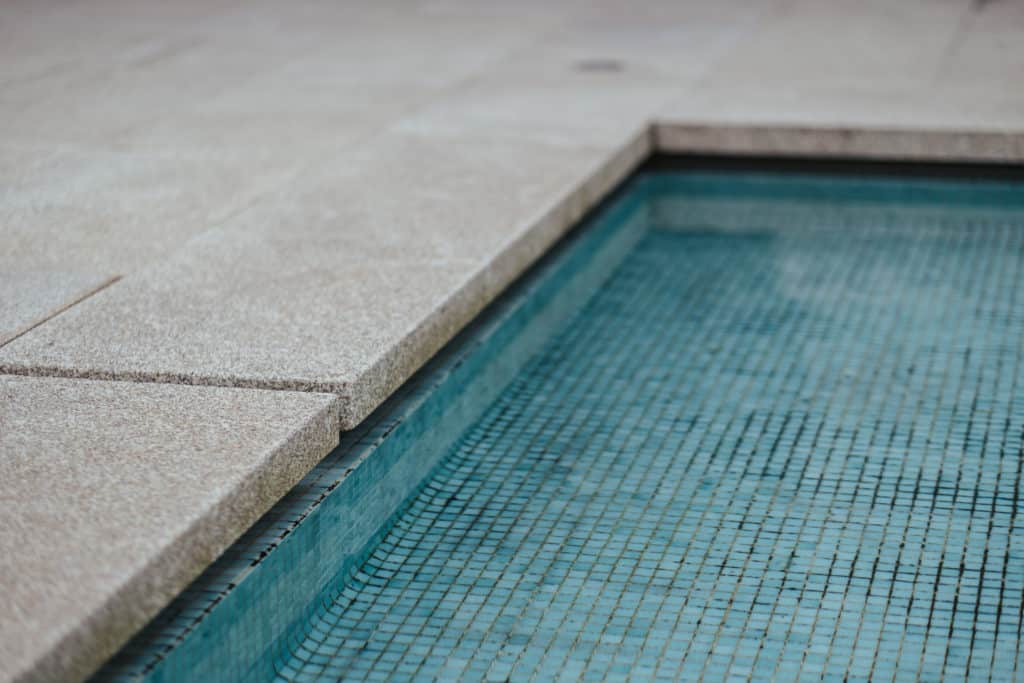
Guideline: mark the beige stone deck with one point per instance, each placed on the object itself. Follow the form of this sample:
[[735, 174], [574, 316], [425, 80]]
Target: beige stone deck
[[280, 198]]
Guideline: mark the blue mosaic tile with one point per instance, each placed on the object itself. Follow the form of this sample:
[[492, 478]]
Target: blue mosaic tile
[[783, 441]]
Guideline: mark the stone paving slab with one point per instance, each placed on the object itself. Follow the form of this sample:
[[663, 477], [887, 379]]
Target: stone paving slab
[[858, 142], [329, 284], [32, 296], [114, 211], [117, 494]]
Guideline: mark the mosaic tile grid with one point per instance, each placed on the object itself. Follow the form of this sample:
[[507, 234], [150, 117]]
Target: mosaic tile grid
[[789, 453]]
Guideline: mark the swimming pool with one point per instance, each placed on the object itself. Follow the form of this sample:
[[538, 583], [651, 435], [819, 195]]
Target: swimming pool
[[741, 425]]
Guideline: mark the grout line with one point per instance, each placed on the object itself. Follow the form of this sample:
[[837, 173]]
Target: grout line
[[336, 388], [74, 302]]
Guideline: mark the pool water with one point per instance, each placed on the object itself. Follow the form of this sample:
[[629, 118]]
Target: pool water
[[783, 440]]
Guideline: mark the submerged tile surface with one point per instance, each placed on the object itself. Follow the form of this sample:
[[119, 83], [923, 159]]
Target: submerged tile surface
[[766, 450], [116, 495]]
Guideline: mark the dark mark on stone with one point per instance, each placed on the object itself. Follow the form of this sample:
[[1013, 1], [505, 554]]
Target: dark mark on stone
[[599, 65]]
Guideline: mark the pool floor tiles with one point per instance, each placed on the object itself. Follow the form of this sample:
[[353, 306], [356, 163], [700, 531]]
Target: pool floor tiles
[[793, 453]]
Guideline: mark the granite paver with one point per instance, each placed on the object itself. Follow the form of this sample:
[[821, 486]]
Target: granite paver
[[328, 284], [116, 495], [32, 296]]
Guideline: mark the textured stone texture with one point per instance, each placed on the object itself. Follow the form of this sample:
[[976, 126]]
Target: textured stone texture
[[116, 495], [113, 212], [884, 144], [915, 65], [330, 284], [31, 296], [549, 97]]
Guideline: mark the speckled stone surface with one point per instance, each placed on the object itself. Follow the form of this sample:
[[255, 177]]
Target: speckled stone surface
[[32, 296], [115, 495], [867, 143], [330, 284]]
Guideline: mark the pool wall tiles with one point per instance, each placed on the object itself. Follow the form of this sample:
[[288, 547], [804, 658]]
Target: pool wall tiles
[[266, 586], [795, 466]]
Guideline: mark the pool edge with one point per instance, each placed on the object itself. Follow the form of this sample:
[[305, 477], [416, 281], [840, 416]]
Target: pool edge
[[425, 415]]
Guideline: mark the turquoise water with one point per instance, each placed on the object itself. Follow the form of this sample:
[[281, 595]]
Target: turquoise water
[[783, 440]]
